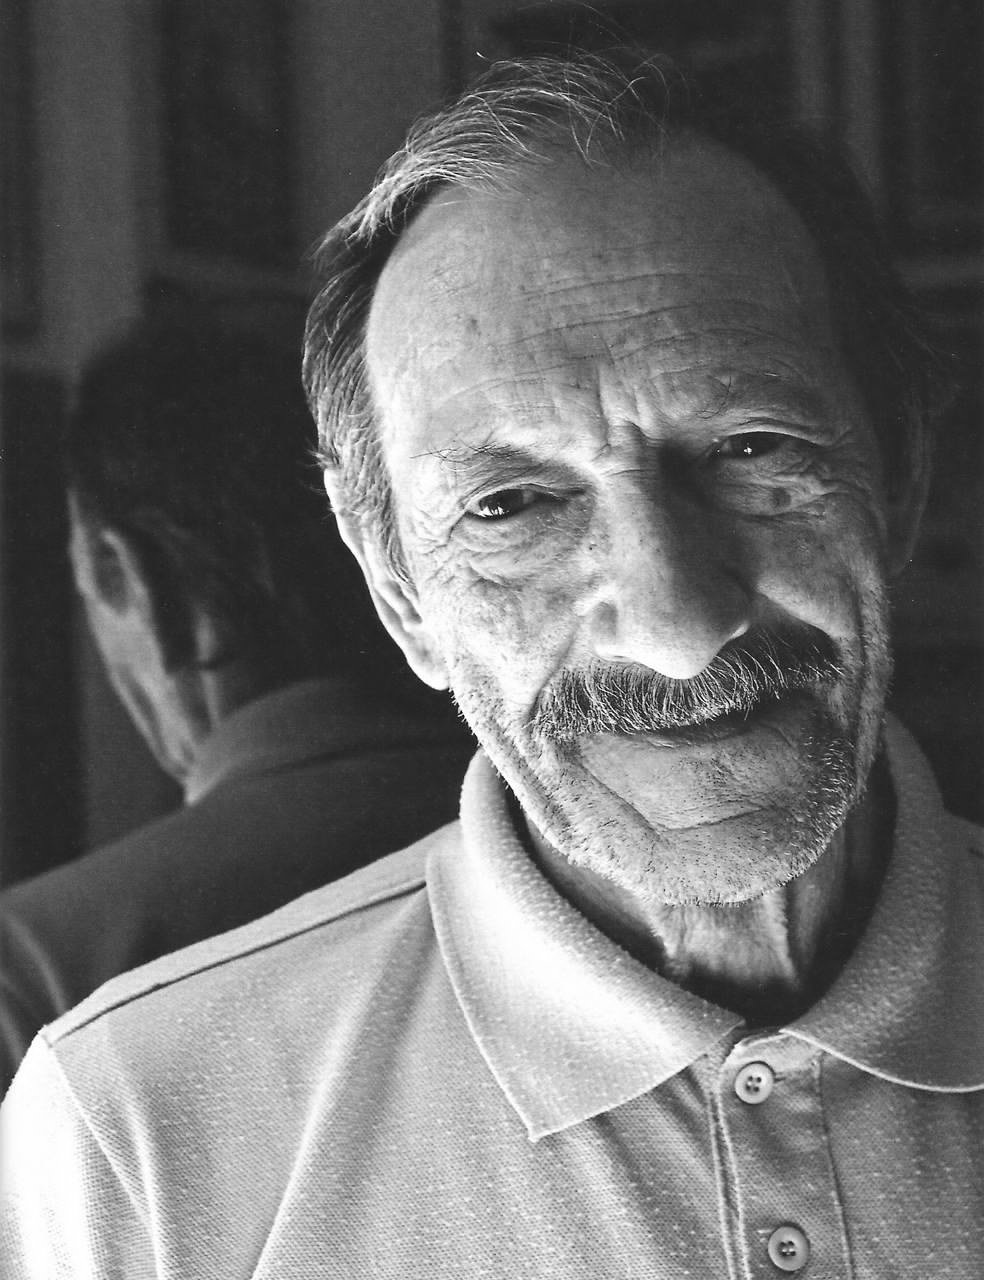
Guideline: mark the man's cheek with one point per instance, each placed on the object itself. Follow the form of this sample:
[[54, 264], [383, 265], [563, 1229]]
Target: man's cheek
[[819, 571], [517, 631]]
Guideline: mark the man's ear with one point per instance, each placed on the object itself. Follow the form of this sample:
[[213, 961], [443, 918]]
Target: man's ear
[[396, 603], [118, 580]]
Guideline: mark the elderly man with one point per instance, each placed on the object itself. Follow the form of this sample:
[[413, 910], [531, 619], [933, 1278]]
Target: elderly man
[[239, 635], [623, 421]]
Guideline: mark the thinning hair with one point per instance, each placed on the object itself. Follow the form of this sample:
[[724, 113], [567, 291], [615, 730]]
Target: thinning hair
[[517, 116]]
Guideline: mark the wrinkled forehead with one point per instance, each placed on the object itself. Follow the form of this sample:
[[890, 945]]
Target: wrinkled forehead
[[574, 260]]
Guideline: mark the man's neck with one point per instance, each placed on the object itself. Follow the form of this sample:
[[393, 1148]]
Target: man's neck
[[769, 959], [201, 698]]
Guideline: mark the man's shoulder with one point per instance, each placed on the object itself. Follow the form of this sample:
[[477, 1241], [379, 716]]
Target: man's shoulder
[[55, 927], [273, 946], [66, 930], [55, 891]]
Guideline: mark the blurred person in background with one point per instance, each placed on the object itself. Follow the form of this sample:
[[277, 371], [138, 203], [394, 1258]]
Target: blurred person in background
[[239, 635]]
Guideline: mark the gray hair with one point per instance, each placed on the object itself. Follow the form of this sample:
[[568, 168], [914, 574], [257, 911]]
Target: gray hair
[[511, 119]]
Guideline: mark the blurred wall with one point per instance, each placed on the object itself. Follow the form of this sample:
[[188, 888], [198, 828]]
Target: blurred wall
[[110, 109]]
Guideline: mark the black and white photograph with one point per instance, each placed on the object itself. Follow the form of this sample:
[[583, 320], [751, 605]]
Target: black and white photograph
[[491, 639]]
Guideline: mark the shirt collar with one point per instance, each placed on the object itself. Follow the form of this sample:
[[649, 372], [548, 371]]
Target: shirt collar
[[571, 1025], [909, 1004], [568, 1022], [307, 720]]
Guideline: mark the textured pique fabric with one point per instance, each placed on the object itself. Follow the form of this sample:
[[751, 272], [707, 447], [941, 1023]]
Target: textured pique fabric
[[437, 1068], [289, 792]]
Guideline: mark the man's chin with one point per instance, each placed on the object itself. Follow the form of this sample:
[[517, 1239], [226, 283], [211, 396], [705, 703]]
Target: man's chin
[[730, 862], [716, 814], [757, 855]]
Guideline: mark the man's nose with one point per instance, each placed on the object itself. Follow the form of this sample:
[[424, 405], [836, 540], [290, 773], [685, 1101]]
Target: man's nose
[[670, 592]]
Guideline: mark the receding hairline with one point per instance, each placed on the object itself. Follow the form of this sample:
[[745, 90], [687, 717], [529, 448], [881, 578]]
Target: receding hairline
[[628, 157], [710, 169]]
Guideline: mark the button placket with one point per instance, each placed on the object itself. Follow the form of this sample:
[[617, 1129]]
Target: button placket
[[778, 1160]]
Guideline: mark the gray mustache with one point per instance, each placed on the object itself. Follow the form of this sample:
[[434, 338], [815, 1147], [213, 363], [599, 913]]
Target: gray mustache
[[620, 698]]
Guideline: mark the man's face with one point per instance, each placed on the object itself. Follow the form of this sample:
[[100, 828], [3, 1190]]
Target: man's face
[[624, 448]]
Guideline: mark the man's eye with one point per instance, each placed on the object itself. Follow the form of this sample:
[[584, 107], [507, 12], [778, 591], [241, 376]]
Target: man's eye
[[503, 503], [750, 445]]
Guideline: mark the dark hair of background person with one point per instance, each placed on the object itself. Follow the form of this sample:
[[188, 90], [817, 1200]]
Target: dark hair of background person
[[194, 440], [607, 109]]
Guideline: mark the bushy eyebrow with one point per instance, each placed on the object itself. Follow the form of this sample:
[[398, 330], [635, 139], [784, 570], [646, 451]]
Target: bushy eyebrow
[[466, 460], [743, 391]]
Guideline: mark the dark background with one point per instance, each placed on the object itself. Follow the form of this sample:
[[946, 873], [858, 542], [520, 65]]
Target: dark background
[[163, 154]]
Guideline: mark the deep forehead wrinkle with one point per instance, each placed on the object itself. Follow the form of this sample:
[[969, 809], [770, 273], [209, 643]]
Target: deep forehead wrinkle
[[654, 337], [621, 266], [620, 328], [592, 392]]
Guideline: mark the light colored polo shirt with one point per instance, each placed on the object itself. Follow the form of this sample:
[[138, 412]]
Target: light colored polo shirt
[[438, 1068]]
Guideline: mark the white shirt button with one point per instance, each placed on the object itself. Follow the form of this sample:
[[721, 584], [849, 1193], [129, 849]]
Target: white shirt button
[[789, 1249], [754, 1082]]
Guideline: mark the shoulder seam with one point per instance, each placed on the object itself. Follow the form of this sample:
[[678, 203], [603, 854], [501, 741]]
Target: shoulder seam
[[385, 894]]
